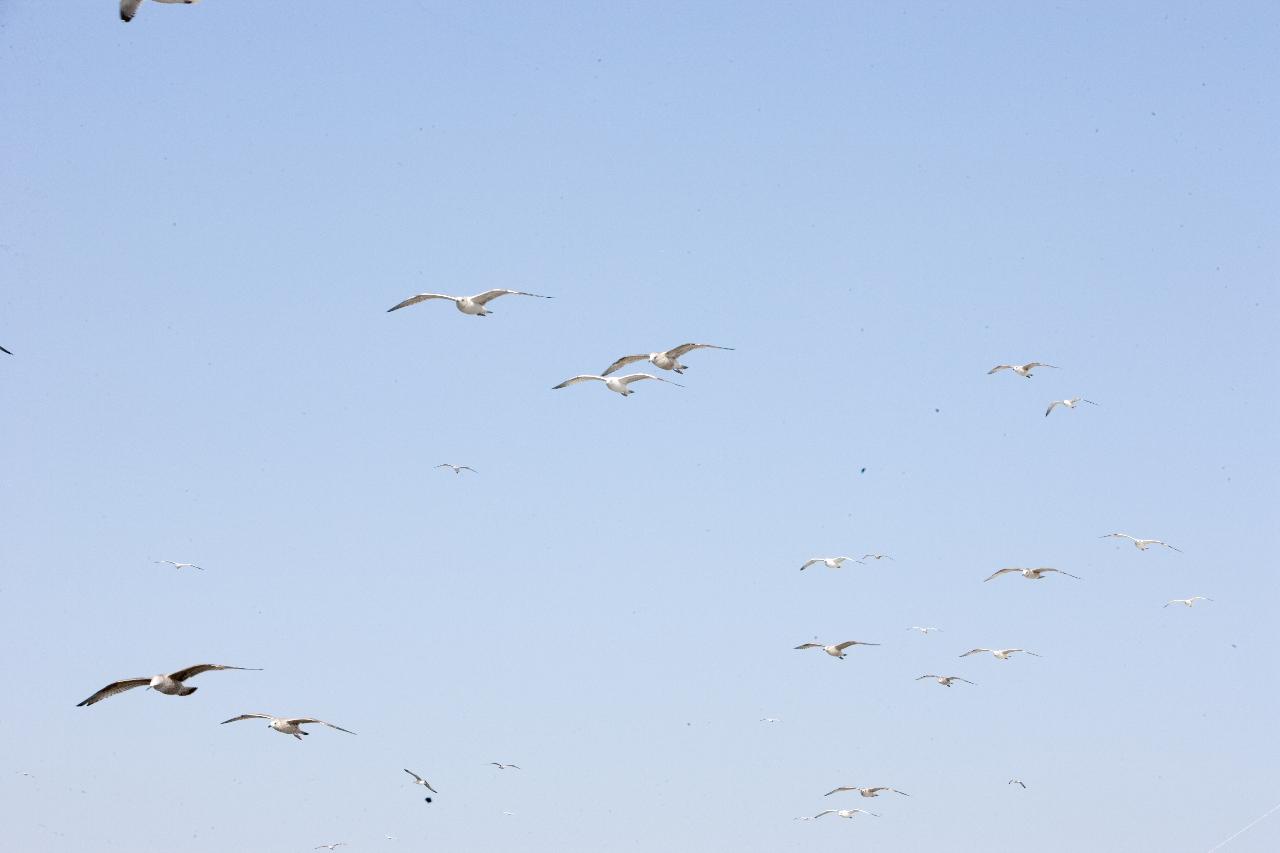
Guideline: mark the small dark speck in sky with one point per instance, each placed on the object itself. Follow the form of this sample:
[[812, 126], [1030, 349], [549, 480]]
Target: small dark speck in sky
[[863, 471]]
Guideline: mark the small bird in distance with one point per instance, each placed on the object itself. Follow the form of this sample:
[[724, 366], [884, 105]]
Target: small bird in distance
[[836, 650], [946, 680], [829, 562], [667, 360], [179, 565], [1031, 574], [1140, 544], [286, 725], [866, 792], [418, 780], [618, 384], [504, 766], [1188, 602], [1002, 654], [1023, 370], [473, 305], [457, 469], [1070, 404]]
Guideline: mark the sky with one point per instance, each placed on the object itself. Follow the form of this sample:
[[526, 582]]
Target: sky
[[207, 212]]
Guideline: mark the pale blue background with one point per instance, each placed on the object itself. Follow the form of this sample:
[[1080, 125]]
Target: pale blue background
[[207, 212]]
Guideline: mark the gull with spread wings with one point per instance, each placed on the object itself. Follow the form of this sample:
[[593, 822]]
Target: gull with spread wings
[[836, 650], [418, 780], [617, 384], [1140, 544], [1031, 574], [1002, 654], [473, 305], [667, 360], [169, 685], [1023, 370], [286, 725]]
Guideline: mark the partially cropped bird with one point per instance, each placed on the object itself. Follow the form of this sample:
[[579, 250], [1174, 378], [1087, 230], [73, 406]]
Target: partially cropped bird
[[1031, 574], [5, 351], [618, 384], [473, 305], [836, 650], [129, 8], [666, 360], [169, 685], [1023, 370]]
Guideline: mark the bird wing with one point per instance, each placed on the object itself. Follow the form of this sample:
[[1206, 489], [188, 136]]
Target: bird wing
[[114, 688], [999, 573], [415, 775], [5, 351], [247, 717], [298, 721], [514, 766], [810, 563], [184, 674], [1036, 364], [1061, 572], [1052, 406], [1167, 545], [825, 811], [847, 643], [468, 468], [676, 352], [896, 791], [810, 646], [129, 8], [1000, 367], [838, 790], [421, 297], [636, 377], [490, 295], [581, 377], [1119, 536], [926, 676], [958, 678], [974, 652], [623, 362]]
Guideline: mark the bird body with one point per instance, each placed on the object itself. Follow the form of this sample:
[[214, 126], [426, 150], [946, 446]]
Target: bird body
[[1031, 574], [617, 384], [829, 562], [945, 681], [287, 725], [666, 360], [472, 305], [1140, 544], [836, 650], [1070, 404], [1023, 370], [1002, 654], [170, 684], [129, 8]]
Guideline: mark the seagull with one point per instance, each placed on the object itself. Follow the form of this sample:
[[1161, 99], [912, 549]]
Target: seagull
[[614, 383], [1070, 404], [332, 846], [770, 720], [829, 562], [922, 629], [1018, 782], [179, 565], [504, 766], [837, 650], [945, 681], [1032, 574], [129, 8], [1140, 544], [169, 685], [866, 792], [1023, 370], [803, 817], [457, 469], [865, 557], [473, 305], [844, 813], [286, 725], [668, 360], [1189, 602], [1003, 654], [418, 780]]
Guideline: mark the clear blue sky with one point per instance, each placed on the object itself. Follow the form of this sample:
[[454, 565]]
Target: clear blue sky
[[208, 211]]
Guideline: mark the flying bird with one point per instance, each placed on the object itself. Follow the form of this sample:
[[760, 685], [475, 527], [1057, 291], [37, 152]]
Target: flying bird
[[1018, 782], [829, 562], [1002, 654], [770, 720], [844, 813], [473, 305], [866, 557], [1189, 602], [1070, 404], [169, 685], [945, 680], [457, 469], [1031, 574], [418, 780], [922, 629], [129, 8], [614, 383], [286, 725], [504, 766], [668, 360], [1023, 370], [866, 792], [332, 846], [837, 650], [179, 565], [1140, 544]]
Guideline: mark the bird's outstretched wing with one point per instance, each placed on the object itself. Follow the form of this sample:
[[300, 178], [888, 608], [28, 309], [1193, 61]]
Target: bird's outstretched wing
[[581, 377], [809, 563], [838, 790], [414, 775], [184, 674], [1000, 367], [998, 573], [129, 8], [927, 676], [676, 352], [1060, 572], [1053, 405], [247, 717], [825, 811], [421, 297], [5, 351], [810, 646], [623, 362], [298, 721], [636, 377], [847, 643], [974, 652], [113, 688], [490, 295]]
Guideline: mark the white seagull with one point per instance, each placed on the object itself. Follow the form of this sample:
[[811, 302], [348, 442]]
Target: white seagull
[[829, 562], [169, 685], [504, 766], [844, 813], [945, 680], [418, 780], [334, 846], [129, 8], [836, 650], [770, 720], [866, 792], [1002, 654], [1140, 544], [865, 557], [1189, 602], [286, 725], [179, 565], [457, 469], [1031, 574], [668, 360], [614, 383], [1018, 782], [923, 629], [1070, 404], [473, 305], [1023, 370]]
